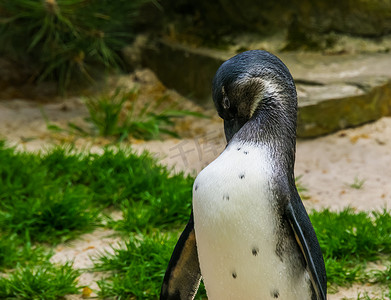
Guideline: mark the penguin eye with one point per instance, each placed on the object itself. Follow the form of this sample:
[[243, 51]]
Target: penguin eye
[[226, 103]]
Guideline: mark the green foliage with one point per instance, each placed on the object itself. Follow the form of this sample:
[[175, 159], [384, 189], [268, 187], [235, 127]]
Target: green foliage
[[38, 206], [105, 111], [353, 234], [166, 204], [151, 212], [148, 121], [49, 197], [348, 240], [343, 272], [66, 39], [53, 196], [120, 115], [137, 268], [383, 276], [357, 183], [384, 296], [58, 214], [46, 281], [115, 176], [14, 251]]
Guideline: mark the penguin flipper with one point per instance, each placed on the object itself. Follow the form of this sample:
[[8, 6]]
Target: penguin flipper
[[309, 246], [183, 273]]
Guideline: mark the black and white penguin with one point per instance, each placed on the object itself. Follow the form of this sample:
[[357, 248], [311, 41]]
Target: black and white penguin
[[249, 235]]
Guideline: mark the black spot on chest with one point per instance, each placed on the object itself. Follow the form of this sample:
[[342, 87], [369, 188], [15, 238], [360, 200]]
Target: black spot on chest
[[240, 148], [275, 294], [234, 275], [241, 176], [255, 251]]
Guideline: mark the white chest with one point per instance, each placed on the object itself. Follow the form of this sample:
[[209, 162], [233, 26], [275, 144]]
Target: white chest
[[235, 226]]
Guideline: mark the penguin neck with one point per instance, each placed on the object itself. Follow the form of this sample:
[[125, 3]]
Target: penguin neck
[[275, 129]]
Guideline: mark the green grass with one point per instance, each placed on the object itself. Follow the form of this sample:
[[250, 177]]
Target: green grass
[[58, 214], [137, 268], [66, 40], [55, 196], [15, 252], [362, 235], [383, 277], [349, 240], [46, 281], [164, 206], [147, 122], [357, 183], [105, 112], [119, 115], [36, 204], [384, 296]]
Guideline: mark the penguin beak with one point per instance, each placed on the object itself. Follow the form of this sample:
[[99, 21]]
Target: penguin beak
[[233, 126]]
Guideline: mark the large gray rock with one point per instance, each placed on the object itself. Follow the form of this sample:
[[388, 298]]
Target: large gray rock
[[334, 92], [355, 17], [332, 106]]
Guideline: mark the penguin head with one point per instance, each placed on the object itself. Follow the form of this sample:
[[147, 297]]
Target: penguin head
[[250, 84]]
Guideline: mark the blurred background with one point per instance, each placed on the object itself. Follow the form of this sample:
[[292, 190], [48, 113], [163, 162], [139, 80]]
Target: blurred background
[[84, 81], [335, 50]]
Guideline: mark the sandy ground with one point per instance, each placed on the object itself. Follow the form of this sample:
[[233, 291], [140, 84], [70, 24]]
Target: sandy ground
[[328, 165]]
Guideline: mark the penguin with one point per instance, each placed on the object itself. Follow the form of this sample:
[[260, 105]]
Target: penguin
[[249, 235]]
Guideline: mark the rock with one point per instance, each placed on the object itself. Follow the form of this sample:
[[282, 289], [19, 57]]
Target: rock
[[334, 92], [335, 106], [188, 72], [353, 17], [15, 82]]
